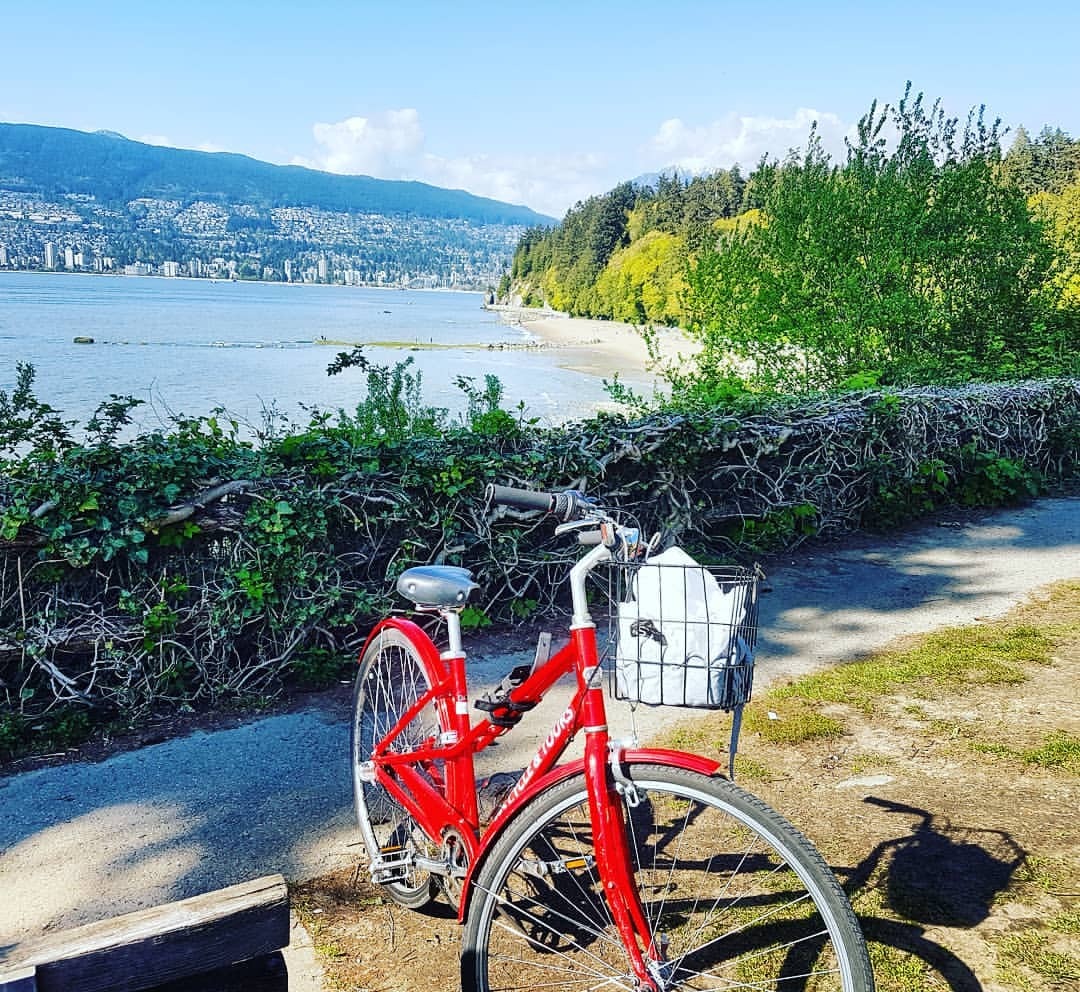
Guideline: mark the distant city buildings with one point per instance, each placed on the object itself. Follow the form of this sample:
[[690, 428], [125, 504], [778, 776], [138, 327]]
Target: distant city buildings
[[202, 240]]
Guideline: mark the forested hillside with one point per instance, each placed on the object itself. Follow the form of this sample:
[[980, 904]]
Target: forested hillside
[[926, 255]]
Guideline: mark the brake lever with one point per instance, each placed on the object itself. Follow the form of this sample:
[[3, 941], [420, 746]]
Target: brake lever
[[573, 525]]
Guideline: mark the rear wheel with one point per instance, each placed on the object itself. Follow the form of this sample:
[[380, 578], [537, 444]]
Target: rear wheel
[[735, 895], [392, 677]]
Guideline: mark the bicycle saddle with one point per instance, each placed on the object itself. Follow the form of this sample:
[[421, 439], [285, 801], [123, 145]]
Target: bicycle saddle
[[445, 586]]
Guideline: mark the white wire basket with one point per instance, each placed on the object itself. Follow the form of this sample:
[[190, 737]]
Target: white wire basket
[[680, 633]]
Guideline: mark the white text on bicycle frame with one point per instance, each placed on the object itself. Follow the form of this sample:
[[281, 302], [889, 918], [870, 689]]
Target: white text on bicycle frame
[[562, 725]]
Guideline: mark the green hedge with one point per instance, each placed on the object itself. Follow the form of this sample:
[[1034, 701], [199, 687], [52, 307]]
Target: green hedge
[[191, 566]]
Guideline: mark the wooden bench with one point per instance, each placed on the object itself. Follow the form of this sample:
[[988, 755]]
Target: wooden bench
[[154, 947]]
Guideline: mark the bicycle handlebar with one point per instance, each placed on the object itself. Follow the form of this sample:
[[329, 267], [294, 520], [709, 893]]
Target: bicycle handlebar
[[566, 506]]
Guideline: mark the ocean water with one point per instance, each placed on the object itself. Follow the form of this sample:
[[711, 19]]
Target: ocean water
[[190, 346]]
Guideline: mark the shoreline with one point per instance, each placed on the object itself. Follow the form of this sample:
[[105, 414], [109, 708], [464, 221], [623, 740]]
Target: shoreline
[[600, 347]]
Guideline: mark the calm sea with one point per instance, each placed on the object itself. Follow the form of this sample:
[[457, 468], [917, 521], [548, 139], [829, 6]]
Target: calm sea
[[188, 346]]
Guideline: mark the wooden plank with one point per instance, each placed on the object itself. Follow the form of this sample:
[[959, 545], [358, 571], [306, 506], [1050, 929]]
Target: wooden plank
[[267, 974], [154, 946], [18, 979]]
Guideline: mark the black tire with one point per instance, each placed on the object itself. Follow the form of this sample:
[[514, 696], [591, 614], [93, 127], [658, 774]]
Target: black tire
[[391, 678], [740, 896]]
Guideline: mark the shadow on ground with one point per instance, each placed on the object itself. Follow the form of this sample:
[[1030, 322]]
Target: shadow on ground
[[934, 876]]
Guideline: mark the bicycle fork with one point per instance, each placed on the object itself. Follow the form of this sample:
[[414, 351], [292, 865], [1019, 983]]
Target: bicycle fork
[[614, 859]]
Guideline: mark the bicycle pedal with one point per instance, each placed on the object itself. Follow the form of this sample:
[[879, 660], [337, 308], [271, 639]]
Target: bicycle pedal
[[501, 712], [559, 866], [392, 865], [501, 709], [516, 677]]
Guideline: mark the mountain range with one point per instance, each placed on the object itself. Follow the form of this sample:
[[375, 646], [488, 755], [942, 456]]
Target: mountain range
[[113, 169], [75, 201]]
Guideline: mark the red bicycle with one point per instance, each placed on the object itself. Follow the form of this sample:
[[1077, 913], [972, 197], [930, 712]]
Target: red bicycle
[[631, 868]]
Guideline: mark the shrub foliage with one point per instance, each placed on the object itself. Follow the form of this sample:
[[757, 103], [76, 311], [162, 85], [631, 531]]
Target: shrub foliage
[[193, 565]]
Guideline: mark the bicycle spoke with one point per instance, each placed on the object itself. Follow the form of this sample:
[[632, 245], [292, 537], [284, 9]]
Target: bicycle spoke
[[585, 845], [541, 922], [391, 680], [728, 904]]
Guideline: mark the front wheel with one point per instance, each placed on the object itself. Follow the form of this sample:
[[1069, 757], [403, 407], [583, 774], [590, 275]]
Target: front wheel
[[735, 896], [392, 677]]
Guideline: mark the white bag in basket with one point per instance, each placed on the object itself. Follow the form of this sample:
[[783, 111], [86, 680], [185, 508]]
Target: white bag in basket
[[681, 617]]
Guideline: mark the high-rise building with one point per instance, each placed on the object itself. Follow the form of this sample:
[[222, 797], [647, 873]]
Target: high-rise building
[[69, 258], [50, 255], [288, 270], [3, 255], [323, 269]]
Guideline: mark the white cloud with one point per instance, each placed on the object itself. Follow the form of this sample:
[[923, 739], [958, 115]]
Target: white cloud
[[740, 138], [392, 145], [385, 145]]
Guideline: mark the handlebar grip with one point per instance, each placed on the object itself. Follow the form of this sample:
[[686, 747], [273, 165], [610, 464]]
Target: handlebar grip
[[564, 506], [520, 499]]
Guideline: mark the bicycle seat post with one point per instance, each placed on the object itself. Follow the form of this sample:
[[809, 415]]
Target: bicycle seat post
[[461, 783], [454, 648]]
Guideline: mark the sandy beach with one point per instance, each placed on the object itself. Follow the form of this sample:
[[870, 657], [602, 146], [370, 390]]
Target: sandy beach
[[600, 347]]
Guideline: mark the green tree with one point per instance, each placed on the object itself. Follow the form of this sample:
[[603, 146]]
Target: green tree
[[1018, 166], [913, 259]]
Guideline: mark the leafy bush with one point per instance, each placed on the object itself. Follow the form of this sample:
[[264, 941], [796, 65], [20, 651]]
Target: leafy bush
[[990, 479], [191, 566]]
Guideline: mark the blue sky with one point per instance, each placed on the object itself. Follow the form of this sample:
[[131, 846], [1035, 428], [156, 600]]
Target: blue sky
[[536, 103]]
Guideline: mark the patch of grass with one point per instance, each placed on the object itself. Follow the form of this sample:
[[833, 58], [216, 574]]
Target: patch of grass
[[1055, 876], [896, 970], [945, 661], [700, 736], [790, 724], [710, 734], [1067, 922], [938, 663], [1056, 610], [1061, 750], [1026, 956], [859, 764], [992, 749], [323, 941], [749, 770]]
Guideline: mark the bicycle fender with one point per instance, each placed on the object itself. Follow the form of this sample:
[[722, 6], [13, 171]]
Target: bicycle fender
[[647, 755], [414, 633]]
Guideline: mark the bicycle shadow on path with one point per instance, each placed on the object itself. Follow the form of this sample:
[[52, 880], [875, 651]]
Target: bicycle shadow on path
[[937, 876]]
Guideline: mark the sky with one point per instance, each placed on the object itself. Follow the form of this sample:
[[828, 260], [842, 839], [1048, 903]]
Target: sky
[[540, 103]]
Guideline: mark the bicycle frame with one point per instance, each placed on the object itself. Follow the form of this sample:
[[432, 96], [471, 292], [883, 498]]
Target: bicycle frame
[[399, 774]]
